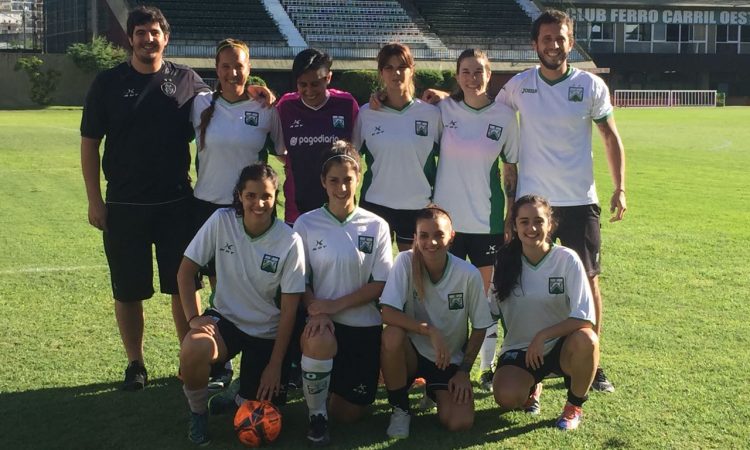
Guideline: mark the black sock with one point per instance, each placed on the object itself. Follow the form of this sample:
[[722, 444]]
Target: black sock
[[576, 401], [399, 398]]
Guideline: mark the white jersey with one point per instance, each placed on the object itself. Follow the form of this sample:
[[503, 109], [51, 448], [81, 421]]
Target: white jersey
[[449, 305], [474, 144], [556, 157], [252, 272], [238, 135], [341, 257], [551, 291], [400, 148]]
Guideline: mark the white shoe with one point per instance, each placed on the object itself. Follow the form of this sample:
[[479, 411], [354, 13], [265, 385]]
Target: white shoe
[[398, 427]]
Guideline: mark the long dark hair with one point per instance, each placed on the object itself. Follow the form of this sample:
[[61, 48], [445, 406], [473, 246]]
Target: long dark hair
[[508, 260], [257, 171], [402, 52], [431, 212], [208, 113]]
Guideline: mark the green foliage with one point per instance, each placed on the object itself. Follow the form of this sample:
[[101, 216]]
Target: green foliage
[[359, 83], [256, 80], [97, 55], [43, 83]]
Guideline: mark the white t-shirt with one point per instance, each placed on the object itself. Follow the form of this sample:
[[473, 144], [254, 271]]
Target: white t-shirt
[[341, 257], [238, 135], [449, 305], [551, 291], [555, 156], [252, 272], [400, 149], [474, 144]]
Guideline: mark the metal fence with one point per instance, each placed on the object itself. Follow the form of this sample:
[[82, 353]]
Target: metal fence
[[664, 98]]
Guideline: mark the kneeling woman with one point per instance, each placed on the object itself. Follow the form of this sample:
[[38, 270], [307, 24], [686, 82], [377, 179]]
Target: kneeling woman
[[349, 255], [429, 301], [547, 310], [257, 256]]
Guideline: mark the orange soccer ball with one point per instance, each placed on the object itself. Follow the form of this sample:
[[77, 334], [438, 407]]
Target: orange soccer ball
[[257, 423]]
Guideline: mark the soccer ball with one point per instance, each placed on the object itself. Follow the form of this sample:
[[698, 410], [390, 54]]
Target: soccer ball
[[257, 423]]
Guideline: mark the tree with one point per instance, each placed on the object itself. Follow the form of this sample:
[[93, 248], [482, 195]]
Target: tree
[[97, 55], [43, 83]]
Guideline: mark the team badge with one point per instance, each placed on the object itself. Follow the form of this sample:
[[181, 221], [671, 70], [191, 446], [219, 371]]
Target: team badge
[[420, 127], [366, 244], [557, 285], [251, 118], [456, 301], [270, 263], [494, 132], [168, 87], [575, 94], [338, 122]]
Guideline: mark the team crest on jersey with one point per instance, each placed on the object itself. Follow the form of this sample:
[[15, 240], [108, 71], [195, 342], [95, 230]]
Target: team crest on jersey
[[168, 87], [365, 244], [456, 301], [575, 94], [452, 125], [421, 127], [556, 285], [251, 118], [228, 248], [270, 263], [338, 122], [494, 132]]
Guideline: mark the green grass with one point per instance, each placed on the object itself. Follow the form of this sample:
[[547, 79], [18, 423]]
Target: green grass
[[675, 288]]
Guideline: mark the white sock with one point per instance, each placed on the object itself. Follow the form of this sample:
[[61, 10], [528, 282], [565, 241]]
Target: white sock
[[316, 375], [197, 399], [487, 353]]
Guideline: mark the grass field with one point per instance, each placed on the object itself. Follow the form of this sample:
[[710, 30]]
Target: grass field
[[675, 286]]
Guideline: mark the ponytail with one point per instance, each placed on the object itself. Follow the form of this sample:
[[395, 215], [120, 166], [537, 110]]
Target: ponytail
[[206, 116]]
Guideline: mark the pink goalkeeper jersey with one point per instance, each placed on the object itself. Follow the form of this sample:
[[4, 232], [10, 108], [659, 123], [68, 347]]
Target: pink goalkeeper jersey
[[307, 134]]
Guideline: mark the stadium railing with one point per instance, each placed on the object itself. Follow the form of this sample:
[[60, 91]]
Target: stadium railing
[[663, 98]]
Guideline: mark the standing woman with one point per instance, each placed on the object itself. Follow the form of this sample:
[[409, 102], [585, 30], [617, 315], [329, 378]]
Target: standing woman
[[232, 131], [547, 309], [260, 263], [428, 303], [348, 253], [400, 144], [313, 118], [479, 140]]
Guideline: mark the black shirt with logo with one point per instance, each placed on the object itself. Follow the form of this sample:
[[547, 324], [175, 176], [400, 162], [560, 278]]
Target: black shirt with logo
[[146, 121]]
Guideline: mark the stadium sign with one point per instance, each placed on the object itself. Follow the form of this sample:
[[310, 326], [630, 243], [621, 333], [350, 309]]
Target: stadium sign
[[662, 16]]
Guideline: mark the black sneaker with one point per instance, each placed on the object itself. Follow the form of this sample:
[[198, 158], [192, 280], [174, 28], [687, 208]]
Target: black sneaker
[[198, 430], [318, 432], [136, 377], [601, 383], [224, 402], [220, 377], [485, 380]]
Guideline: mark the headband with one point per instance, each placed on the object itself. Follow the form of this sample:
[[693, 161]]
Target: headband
[[233, 44], [354, 161]]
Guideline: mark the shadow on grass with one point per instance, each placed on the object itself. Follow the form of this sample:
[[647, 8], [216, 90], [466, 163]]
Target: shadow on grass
[[101, 416]]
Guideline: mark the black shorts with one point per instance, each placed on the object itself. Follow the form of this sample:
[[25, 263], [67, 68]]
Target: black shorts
[[131, 231], [402, 222], [579, 229], [356, 366], [480, 248], [202, 210], [256, 352], [436, 379], [551, 362]]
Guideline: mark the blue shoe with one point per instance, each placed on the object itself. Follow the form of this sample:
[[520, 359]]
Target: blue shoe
[[224, 402], [198, 431], [570, 417]]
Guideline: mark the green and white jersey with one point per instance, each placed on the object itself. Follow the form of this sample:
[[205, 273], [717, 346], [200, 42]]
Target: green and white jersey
[[341, 257], [449, 305], [252, 272], [551, 291], [555, 156], [400, 148], [474, 144], [238, 135]]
